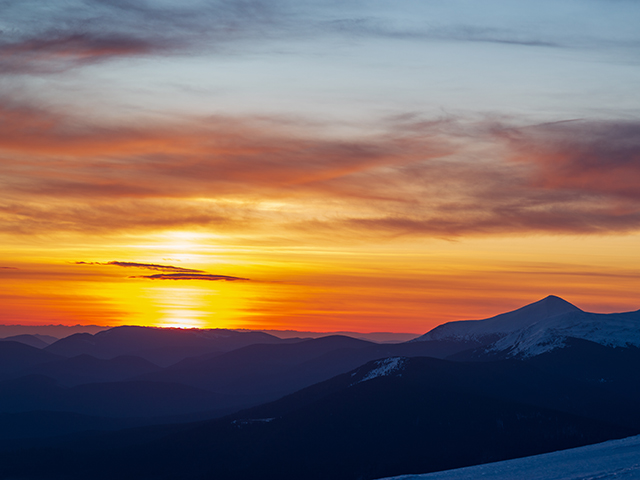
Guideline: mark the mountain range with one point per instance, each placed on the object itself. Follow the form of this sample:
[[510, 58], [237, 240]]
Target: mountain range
[[215, 404]]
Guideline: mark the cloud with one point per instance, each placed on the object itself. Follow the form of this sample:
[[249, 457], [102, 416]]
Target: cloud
[[442, 177], [591, 157], [147, 266], [176, 273], [8, 268], [49, 37], [377, 27], [45, 38], [193, 276], [54, 52]]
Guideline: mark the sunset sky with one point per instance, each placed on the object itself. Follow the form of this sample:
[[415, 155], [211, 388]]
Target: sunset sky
[[316, 165]]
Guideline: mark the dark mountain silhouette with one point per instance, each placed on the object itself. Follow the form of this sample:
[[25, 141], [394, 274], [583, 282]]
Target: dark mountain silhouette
[[244, 377], [87, 369], [611, 369], [261, 372], [388, 417], [38, 341], [161, 346], [15, 427], [111, 399], [15, 357], [565, 380], [544, 377]]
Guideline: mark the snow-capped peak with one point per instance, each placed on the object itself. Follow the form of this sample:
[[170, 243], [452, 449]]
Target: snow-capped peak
[[502, 324], [540, 327]]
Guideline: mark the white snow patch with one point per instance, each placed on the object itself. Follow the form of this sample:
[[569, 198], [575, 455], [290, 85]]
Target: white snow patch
[[251, 421], [616, 459], [384, 368], [613, 330]]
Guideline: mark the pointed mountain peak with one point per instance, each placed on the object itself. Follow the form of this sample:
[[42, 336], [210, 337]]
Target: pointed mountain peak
[[551, 305], [515, 320], [528, 315]]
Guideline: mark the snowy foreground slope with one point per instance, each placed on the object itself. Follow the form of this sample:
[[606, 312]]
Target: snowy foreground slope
[[616, 459], [540, 327]]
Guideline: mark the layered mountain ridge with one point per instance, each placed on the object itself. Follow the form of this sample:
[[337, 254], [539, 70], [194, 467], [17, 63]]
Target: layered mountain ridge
[[242, 405]]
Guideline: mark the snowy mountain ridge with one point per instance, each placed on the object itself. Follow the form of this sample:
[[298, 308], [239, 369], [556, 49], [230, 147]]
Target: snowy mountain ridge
[[540, 327], [382, 368]]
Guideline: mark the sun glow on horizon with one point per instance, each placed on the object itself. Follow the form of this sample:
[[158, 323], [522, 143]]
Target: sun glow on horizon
[[313, 172], [320, 288]]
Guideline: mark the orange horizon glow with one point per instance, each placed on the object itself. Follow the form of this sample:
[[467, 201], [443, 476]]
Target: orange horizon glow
[[320, 290], [255, 223]]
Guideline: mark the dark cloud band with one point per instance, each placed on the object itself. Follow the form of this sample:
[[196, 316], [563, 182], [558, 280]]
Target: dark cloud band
[[147, 266], [186, 276]]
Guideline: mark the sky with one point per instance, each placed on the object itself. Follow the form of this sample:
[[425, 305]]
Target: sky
[[316, 165]]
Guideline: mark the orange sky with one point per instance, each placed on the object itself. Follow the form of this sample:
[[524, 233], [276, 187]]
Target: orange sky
[[259, 224], [402, 284], [315, 166]]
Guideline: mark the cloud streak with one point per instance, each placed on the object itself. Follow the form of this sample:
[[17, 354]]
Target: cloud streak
[[172, 272], [43, 39], [46, 39], [375, 27], [439, 177], [192, 276], [57, 52], [584, 157], [147, 266]]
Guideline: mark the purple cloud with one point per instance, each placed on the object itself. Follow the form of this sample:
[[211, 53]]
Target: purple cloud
[[147, 266], [193, 276]]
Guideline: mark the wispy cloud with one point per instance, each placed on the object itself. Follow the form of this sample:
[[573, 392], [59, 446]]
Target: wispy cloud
[[47, 38], [378, 27], [54, 52], [187, 276], [435, 177], [174, 273], [596, 157], [147, 266], [41, 38]]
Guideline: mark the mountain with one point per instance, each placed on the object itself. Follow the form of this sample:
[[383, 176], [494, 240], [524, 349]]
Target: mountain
[[162, 346], [14, 427], [15, 357], [480, 330], [237, 379], [613, 369], [264, 372], [37, 393], [38, 341], [534, 329], [550, 380], [388, 417], [612, 459], [87, 369], [340, 408]]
